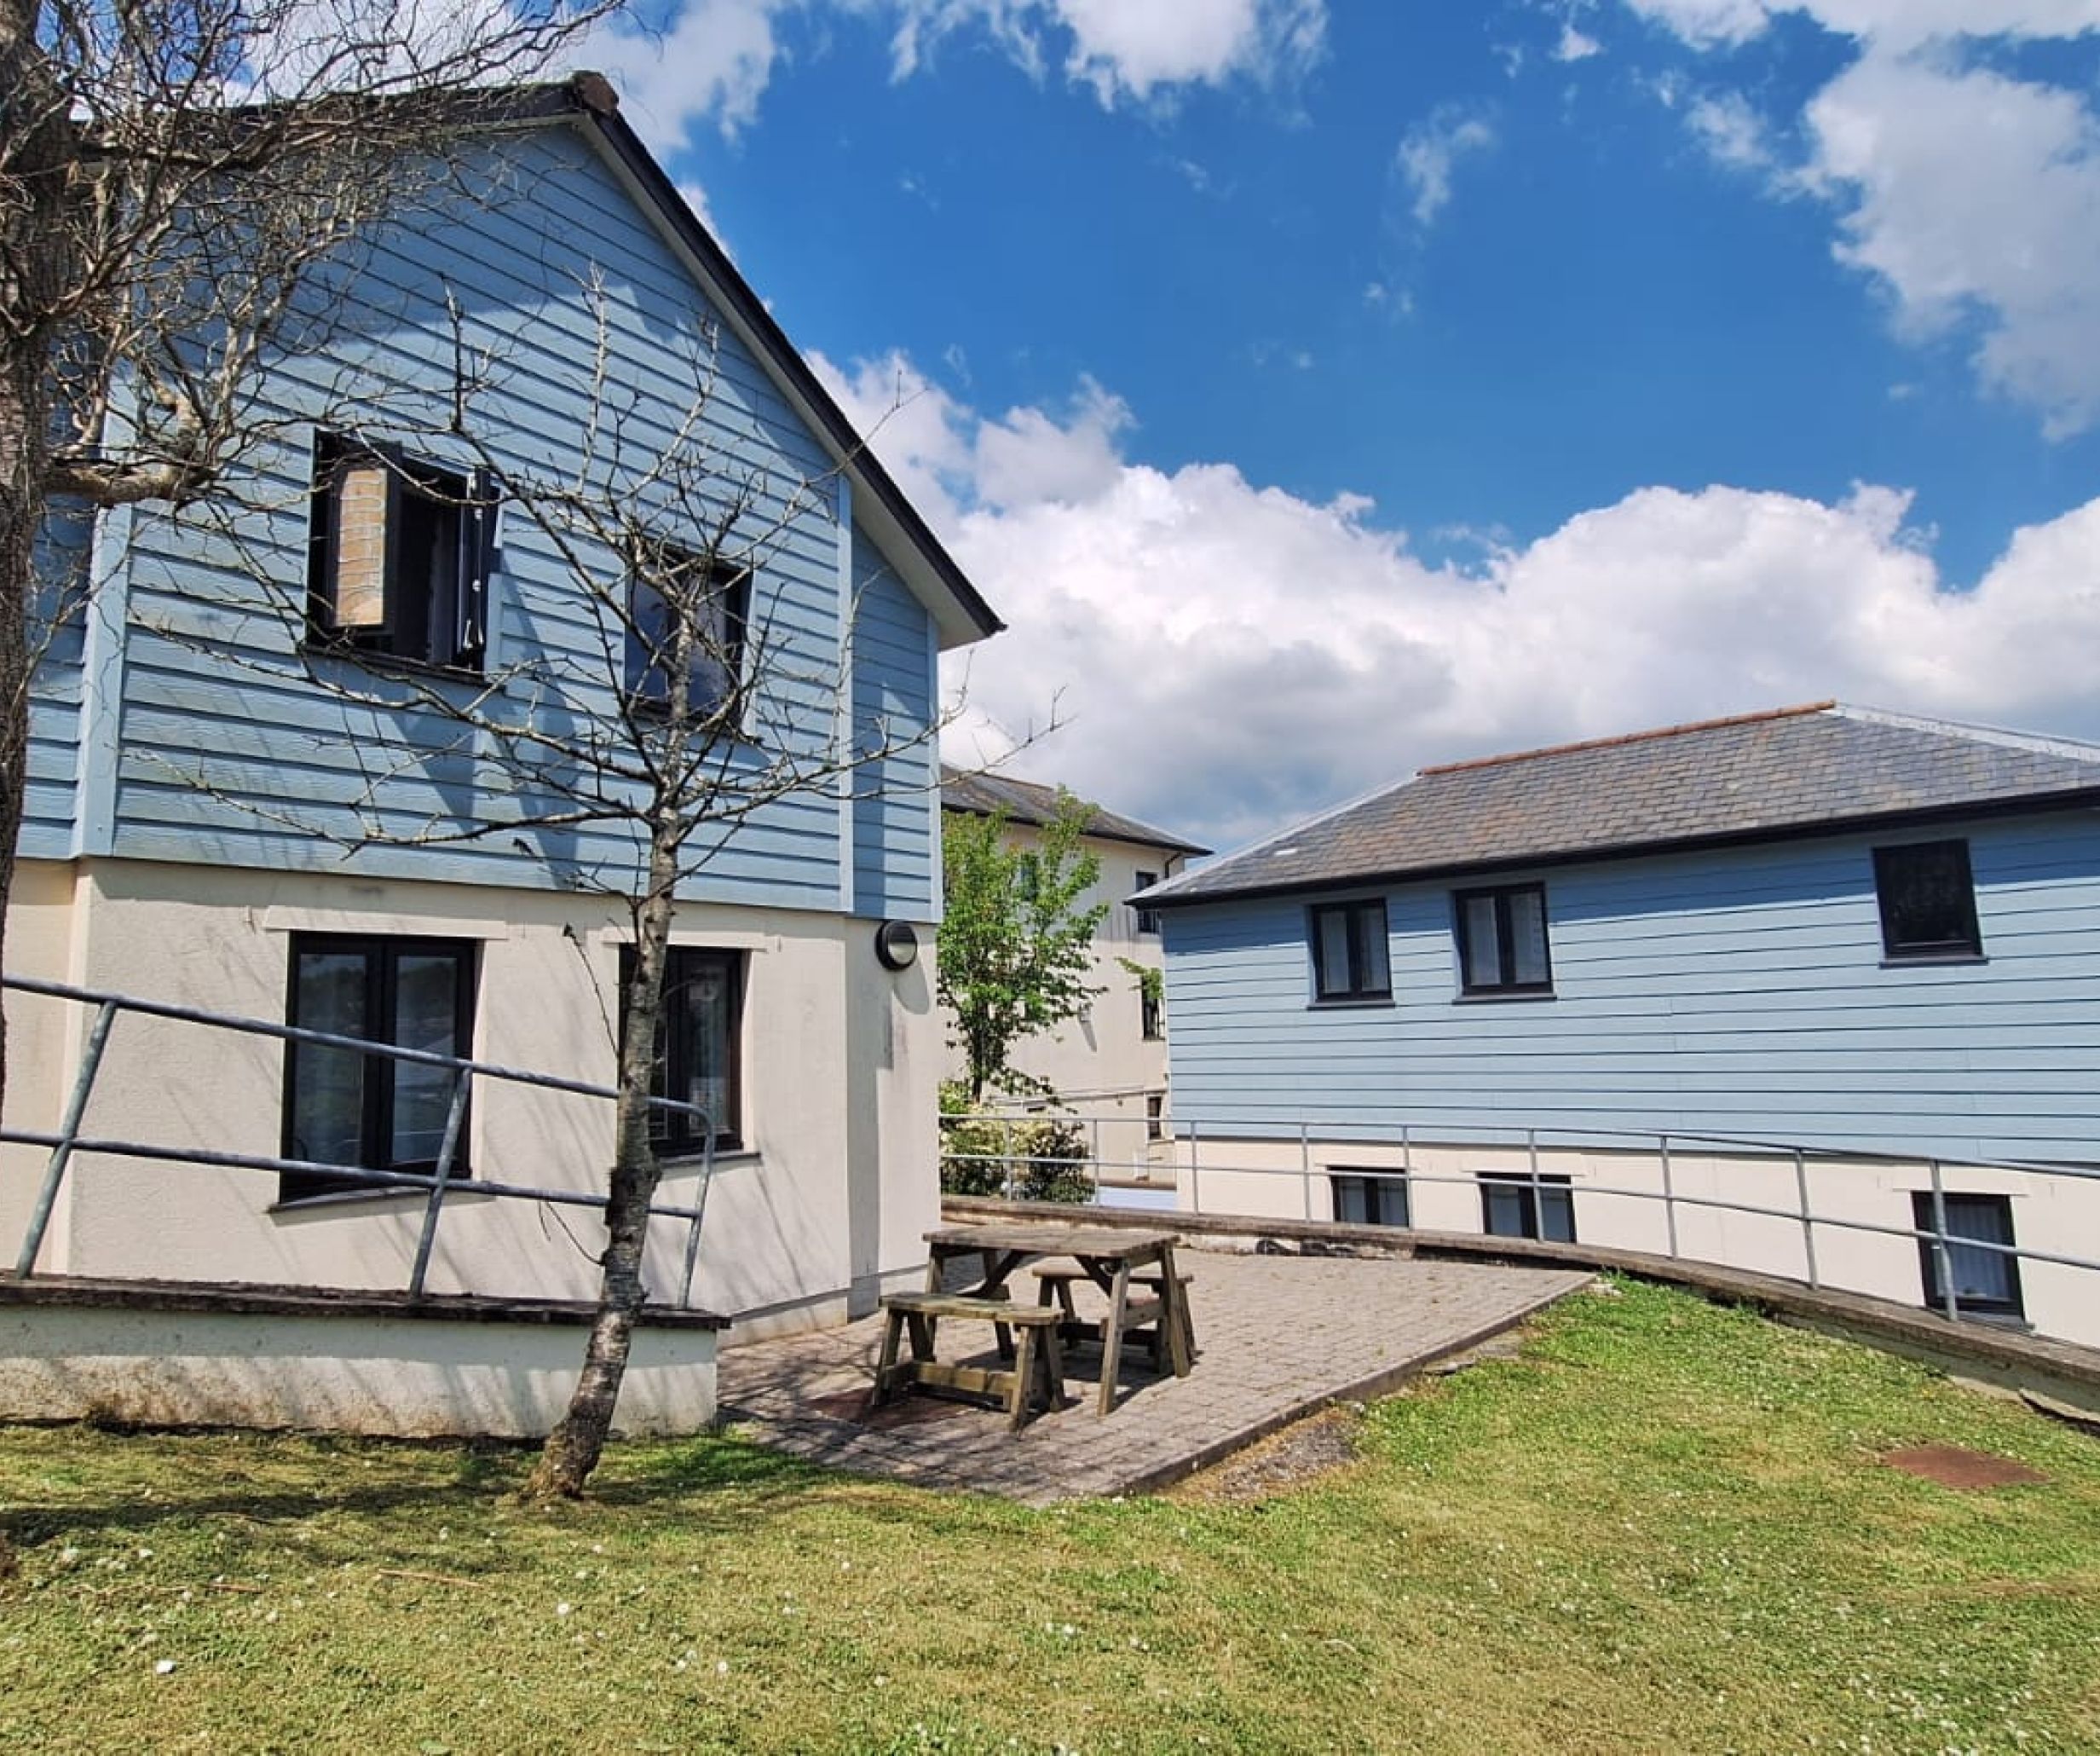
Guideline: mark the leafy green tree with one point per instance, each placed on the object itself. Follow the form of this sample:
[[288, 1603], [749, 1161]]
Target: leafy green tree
[[1016, 945]]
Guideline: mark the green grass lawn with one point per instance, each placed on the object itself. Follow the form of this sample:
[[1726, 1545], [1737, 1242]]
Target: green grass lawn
[[1663, 1529]]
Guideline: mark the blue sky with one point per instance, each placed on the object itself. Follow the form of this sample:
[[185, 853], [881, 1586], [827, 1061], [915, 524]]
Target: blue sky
[[1320, 388]]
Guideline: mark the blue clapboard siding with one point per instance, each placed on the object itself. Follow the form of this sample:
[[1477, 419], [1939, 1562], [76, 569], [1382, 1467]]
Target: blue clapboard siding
[[1736, 992], [231, 755], [894, 854], [50, 806]]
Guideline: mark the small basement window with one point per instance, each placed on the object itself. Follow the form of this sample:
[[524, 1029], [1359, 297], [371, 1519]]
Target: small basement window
[[1366, 1198], [1514, 1204], [1986, 1282], [399, 554], [1928, 899]]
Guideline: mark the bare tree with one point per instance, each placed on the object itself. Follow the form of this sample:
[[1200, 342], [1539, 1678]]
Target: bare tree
[[171, 174], [681, 704]]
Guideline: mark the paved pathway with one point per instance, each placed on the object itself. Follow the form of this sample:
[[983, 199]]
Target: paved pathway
[[1277, 1335]]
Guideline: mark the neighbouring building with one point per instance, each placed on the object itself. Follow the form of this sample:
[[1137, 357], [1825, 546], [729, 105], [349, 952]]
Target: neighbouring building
[[1483, 998], [1109, 1064], [196, 802]]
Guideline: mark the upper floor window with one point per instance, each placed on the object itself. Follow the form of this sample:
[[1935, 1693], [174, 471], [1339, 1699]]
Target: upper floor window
[[1349, 955], [698, 1047], [682, 605], [368, 1111], [1928, 900], [1148, 918], [399, 554], [1502, 940]]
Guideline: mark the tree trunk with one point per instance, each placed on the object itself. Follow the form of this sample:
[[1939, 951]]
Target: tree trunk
[[574, 1447], [22, 512]]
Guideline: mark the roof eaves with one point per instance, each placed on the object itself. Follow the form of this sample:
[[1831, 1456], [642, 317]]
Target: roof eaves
[[1168, 895]]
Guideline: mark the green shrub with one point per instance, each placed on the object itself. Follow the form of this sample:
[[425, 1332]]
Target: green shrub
[[1045, 1156]]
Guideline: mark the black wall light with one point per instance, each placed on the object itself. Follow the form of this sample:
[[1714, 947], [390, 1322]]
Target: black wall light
[[896, 945]]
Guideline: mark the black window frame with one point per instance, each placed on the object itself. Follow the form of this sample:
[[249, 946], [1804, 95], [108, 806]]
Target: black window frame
[[1353, 990], [1151, 1012], [1535, 1195], [1147, 919], [1383, 1191], [1959, 1203], [1154, 1116], [1890, 861], [672, 1133], [1505, 941], [383, 953], [433, 617], [645, 681]]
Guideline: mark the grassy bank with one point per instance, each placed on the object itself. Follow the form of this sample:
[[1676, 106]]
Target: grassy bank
[[1664, 1528]]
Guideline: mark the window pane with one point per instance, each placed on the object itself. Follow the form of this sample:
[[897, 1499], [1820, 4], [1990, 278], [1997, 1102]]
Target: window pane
[[1556, 1216], [700, 1072], [1335, 974], [1983, 1276], [1527, 938], [328, 1084], [1373, 975], [426, 1012], [1351, 1208], [648, 630], [1505, 1206], [1483, 944], [1928, 900]]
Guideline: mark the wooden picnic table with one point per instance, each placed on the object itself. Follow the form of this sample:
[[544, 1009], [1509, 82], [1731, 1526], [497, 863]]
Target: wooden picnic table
[[1111, 1256]]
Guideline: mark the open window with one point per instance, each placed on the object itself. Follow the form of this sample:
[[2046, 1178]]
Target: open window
[[399, 555], [684, 612]]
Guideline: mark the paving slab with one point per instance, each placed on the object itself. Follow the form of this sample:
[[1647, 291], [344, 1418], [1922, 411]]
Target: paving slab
[[1276, 1335]]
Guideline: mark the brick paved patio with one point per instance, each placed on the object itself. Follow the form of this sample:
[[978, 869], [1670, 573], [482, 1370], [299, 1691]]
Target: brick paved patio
[[1277, 1337]]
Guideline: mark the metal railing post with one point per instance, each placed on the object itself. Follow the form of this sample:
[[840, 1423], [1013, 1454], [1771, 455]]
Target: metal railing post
[[1094, 1149], [69, 1131], [1948, 1302], [1808, 1225], [455, 1116], [1196, 1199], [1539, 1199], [1305, 1162], [1670, 1194], [700, 1209]]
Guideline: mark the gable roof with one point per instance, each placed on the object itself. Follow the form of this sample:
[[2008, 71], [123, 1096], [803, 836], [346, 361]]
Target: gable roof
[[1027, 802], [587, 101], [1791, 771]]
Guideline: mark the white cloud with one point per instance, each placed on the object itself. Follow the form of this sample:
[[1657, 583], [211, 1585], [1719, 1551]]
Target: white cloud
[[711, 64], [1134, 49], [1574, 46], [1268, 655], [1971, 197], [1431, 151]]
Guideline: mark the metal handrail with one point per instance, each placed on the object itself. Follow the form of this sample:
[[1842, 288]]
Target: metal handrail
[[1201, 1146], [440, 1182]]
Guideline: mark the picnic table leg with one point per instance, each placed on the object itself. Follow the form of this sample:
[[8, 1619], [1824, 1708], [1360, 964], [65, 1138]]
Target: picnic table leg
[[1174, 1316], [1112, 1337], [886, 1366], [1025, 1373]]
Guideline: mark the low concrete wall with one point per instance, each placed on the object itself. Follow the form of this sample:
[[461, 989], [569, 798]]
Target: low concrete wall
[[135, 1353]]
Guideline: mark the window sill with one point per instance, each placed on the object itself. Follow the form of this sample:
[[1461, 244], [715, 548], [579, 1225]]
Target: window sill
[[1369, 1001], [692, 1159], [1492, 997], [366, 1200], [387, 664], [1934, 960]]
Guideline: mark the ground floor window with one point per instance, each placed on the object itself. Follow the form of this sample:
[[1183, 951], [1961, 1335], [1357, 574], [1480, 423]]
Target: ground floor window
[[1156, 1115], [1514, 1204], [1363, 1198], [345, 1108], [699, 1047], [1986, 1282]]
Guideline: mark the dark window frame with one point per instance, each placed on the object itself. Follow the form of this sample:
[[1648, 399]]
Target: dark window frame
[[1154, 1116], [1148, 918], [645, 681], [672, 1133], [1381, 1190], [1505, 940], [2013, 1308], [383, 953], [432, 618], [1893, 870], [1151, 1012], [1535, 1195], [1352, 989]]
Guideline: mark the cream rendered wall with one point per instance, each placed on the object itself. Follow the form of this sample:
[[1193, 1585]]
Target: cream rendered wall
[[840, 1063], [1273, 1179], [43, 1036], [1101, 1064]]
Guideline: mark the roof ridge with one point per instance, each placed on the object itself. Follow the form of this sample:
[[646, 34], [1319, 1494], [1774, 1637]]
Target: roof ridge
[[1630, 737]]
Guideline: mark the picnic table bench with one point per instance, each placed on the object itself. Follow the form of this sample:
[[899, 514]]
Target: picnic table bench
[[1113, 1258]]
